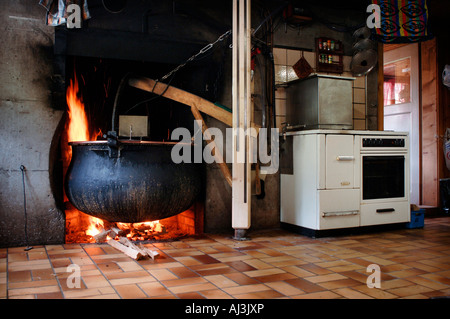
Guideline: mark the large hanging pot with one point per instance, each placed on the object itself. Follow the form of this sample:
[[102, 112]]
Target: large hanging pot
[[142, 184], [130, 181]]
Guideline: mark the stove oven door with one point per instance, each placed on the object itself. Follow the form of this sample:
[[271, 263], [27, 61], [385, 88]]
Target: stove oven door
[[384, 189]]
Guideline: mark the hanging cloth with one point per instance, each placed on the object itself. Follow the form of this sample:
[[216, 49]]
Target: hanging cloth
[[57, 10], [302, 68], [402, 21]]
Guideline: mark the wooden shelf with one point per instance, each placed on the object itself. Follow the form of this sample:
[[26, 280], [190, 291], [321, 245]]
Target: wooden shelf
[[323, 55]]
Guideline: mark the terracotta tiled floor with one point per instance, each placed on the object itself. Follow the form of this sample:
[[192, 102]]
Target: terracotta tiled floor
[[414, 263]]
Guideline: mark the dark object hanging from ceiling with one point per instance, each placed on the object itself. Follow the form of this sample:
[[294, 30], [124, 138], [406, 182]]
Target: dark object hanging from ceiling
[[114, 6]]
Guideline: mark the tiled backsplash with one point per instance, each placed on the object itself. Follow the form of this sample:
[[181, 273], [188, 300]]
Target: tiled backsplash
[[284, 73]]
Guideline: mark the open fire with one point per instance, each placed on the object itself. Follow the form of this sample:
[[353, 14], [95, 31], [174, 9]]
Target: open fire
[[101, 230], [82, 228]]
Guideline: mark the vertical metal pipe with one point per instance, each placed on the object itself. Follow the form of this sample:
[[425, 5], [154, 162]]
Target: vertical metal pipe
[[241, 190]]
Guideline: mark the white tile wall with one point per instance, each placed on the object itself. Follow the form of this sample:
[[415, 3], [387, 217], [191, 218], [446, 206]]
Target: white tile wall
[[284, 60]]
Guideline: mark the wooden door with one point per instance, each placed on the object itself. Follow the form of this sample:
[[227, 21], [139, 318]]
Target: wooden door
[[401, 104]]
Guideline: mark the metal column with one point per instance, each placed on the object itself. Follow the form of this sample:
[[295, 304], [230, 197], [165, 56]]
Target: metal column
[[241, 172]]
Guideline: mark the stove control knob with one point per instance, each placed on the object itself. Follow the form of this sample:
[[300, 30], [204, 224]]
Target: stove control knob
[[365, 142]]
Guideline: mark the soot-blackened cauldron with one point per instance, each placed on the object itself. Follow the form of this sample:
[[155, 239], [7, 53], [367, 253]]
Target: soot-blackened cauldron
[[130, 181]]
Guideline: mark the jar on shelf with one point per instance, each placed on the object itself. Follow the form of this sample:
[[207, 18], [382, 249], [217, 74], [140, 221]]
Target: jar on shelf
[[336, 46]]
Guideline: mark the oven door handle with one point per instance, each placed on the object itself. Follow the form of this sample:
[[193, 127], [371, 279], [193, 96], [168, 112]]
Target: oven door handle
[[385, 210], [345, 158]]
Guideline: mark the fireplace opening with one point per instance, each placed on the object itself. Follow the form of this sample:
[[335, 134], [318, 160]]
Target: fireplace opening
[[92, 85]]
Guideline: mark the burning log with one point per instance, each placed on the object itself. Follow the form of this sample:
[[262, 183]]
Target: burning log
[[132, 250], [151, 253], [116, 232], [125, 241], [129, 251], [101, 237]]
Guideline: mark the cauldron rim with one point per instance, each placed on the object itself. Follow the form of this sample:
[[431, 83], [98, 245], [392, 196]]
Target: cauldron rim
[[133, 142]]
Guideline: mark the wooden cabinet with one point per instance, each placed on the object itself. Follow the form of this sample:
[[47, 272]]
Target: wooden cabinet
[[329, 55]]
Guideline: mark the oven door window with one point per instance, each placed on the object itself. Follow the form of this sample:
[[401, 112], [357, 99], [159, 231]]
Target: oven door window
[[383, 177]]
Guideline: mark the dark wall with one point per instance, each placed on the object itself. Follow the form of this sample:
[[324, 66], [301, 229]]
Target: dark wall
[[27, 127], [164, 33]]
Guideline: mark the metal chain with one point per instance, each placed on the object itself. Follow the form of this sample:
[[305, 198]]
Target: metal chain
[[205, 49]]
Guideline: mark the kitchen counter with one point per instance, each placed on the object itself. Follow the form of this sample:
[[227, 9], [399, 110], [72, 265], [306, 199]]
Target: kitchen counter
[[345, 132]]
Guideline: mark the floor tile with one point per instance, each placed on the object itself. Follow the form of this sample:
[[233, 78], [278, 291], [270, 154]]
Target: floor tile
[[377, 293], [275, 277], [240, 266], [221, 281], [216, 294], [190, 295], [340, 283], [50, 295], [264, 272], [246, 289], [18, 276], [183, 272], [131, 280], [191, 288], [130, 292], [162, 274], [284, 288], [95, 281], [267, 294], [305, 285], [241, 279], [185, 281], [409, 291], [129, 266], [414, 263], [154, 289], [325, 278], [315, 269], [351, 294], [32, 290], [318, 295]]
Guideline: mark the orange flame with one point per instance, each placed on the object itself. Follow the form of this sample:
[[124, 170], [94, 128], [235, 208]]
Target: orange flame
[[78, 125], [95, 226], [78, 131]]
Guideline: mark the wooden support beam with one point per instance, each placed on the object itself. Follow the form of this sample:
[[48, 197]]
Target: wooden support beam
[[216, 152], [197, 104], [183, 97], [429, 117]]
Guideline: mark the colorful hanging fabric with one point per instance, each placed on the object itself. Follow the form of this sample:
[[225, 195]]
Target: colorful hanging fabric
[[402, 21], [56, 10]]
